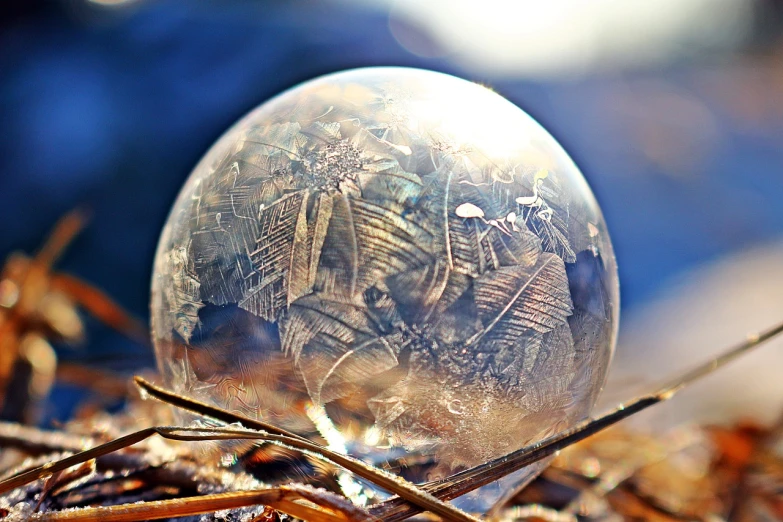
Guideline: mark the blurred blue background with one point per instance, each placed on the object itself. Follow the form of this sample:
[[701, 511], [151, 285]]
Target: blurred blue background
[[673, 110]]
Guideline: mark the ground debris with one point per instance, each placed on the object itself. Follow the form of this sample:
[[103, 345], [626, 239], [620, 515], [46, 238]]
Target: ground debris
[[149, 471], [691, 473]]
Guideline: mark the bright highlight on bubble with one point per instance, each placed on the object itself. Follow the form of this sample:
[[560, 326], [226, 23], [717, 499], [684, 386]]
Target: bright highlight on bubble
[[391, 261]]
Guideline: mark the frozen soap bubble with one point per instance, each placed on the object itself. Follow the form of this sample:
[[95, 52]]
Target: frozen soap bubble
[[395, 261]]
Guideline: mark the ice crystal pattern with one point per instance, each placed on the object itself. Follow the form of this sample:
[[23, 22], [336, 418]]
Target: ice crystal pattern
[[407, 253]]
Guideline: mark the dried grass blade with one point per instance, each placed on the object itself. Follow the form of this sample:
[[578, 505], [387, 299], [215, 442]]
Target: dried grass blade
[[20, 479], [102, 307], [207, 410], [35, 441], [64, 231], [282, 499]]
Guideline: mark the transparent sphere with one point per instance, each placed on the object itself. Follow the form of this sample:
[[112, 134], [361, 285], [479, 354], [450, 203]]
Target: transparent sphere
[[393, 261]]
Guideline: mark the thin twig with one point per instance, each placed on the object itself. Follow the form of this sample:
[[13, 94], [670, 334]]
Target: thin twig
[[207, 410], [46, 470], [281, 498]]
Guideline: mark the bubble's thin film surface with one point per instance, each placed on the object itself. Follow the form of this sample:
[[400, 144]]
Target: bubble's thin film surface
[[409, 251]]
